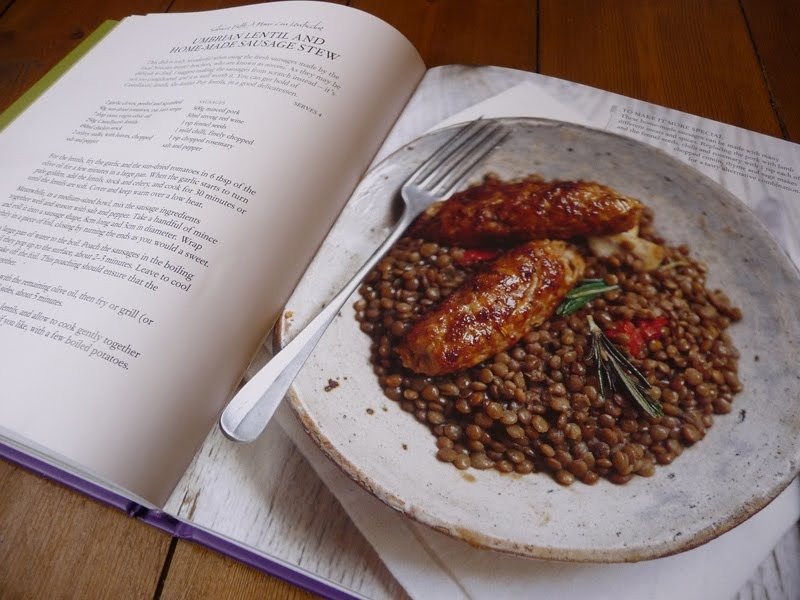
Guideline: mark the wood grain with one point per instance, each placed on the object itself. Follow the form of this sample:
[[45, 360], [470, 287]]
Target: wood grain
[[57, 543], [773, 26], [195, 572], [200, 5], [464, 32], [280, 508], [36, 34], [778, 577], [690, 55]]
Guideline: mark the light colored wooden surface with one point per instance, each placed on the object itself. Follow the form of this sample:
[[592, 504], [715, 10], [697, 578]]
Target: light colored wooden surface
[[201, 573], [280, 508], [778, 577], [56, 542], [730, 61]]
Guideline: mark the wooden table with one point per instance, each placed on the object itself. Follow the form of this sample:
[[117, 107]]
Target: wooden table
[[735, 61]]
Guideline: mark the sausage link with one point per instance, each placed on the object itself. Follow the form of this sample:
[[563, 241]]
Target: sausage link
[[491, 312], [498, 213]]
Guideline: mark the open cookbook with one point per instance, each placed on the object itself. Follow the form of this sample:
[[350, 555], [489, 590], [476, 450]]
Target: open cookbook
[[162, 200]]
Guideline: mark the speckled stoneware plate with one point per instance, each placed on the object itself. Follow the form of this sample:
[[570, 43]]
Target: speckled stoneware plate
[[745, 460]]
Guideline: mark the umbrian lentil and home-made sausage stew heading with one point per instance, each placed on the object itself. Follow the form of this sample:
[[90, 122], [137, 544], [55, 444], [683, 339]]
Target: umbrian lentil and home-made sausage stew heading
[[603, 355]]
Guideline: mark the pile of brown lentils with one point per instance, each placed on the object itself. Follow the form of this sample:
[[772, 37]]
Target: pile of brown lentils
[[536, 407]]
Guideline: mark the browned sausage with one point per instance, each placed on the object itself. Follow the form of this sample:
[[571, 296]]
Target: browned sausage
[[498, 213], [488, 314]]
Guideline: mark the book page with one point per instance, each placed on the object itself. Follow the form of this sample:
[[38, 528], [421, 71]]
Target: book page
[[158, 205]]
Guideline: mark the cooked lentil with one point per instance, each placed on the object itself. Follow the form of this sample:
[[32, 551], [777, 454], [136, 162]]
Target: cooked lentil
[[536, 406]]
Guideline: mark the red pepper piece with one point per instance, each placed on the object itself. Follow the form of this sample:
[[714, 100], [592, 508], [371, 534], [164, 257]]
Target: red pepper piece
[[635, 337], [651, 328], [626, 333]]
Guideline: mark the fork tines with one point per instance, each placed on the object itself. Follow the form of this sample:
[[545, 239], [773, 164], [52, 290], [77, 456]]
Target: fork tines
[[445, 170]]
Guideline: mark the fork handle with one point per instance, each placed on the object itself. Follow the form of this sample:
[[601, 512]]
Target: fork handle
[[248, 413]]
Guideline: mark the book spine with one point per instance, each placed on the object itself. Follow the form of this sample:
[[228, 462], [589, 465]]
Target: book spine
[[70, 480]]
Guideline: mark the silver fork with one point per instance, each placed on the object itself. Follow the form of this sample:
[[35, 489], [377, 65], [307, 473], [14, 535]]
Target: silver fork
[[438, 177]]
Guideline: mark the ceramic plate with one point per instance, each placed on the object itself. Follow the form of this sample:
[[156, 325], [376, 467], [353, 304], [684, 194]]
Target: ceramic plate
[[745, 460]]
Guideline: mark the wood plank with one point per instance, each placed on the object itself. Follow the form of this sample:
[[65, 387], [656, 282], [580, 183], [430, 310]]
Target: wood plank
[[690, 55], [778, 577], [773, 28], [196, 572], [57, 543], [273, 511], [36, 34], [464, 32], [200, 5]]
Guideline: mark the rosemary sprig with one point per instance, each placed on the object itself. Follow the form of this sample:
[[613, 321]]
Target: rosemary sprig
[[579, 296], [613, 367]]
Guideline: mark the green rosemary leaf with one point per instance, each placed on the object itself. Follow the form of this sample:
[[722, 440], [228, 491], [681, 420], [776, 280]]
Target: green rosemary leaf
[[621, 360], [638, 392], [579, 296], [613, 366], [598, 360]]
